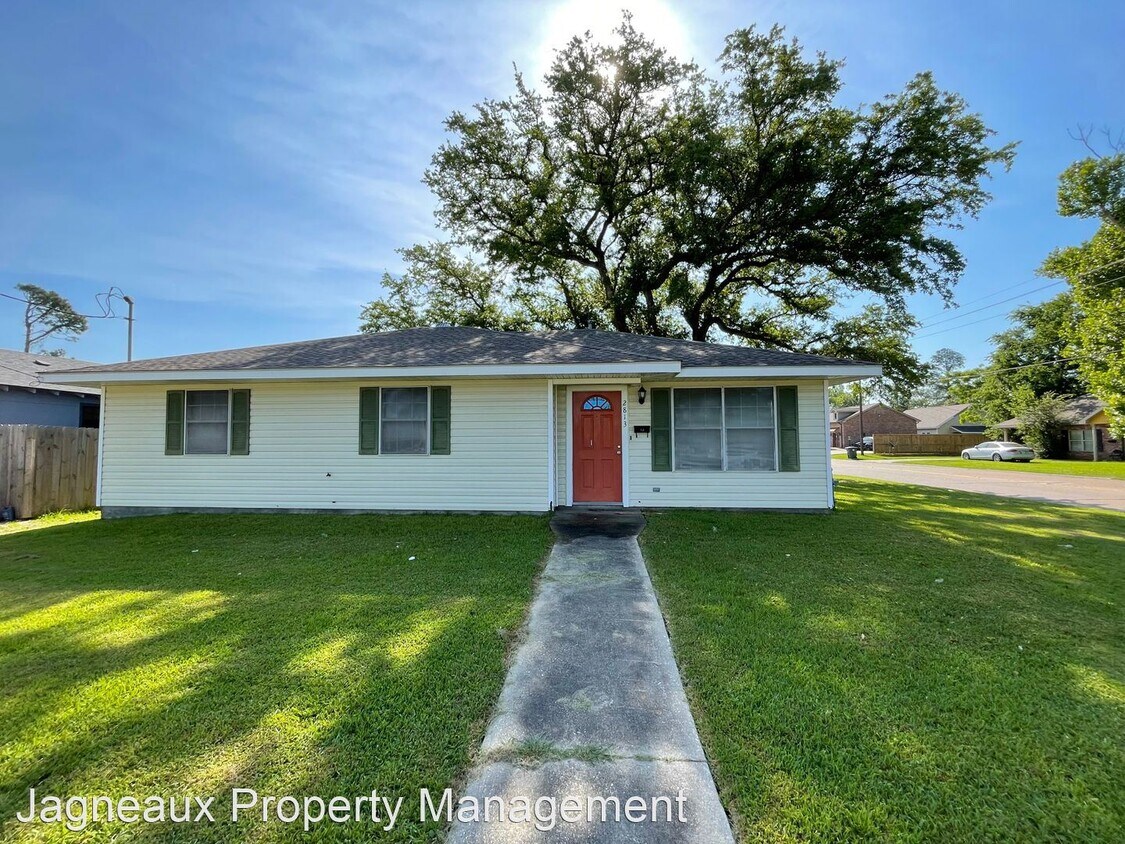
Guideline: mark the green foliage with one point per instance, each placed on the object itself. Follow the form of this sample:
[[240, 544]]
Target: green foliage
[[440, 287], [1095, 187], [846, 395], [881, 335], [1027, 360], [941, 379], [635, 192], [48, 314], [1042, 424]]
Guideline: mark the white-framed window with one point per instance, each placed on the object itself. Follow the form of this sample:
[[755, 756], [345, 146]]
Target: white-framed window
[[206, 421], [724, 429], [404, 424], [1082, 439]]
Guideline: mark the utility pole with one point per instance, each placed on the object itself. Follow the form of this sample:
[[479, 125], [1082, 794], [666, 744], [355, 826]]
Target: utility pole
[[860, 384], [129, 320]]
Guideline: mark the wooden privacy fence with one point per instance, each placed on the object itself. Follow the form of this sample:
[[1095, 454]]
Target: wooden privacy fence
[[926, 443], [43, 469]]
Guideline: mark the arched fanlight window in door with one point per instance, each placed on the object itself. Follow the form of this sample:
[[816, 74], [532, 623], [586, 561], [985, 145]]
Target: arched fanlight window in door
[[596, 403]]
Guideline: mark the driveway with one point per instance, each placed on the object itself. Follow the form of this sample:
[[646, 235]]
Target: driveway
[[1107, 493]]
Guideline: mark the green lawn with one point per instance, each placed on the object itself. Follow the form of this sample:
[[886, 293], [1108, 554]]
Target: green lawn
[[307, 655], [1083, 468], [917, 666]]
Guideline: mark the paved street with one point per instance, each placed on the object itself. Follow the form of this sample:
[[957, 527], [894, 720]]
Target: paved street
[[1107, 493]]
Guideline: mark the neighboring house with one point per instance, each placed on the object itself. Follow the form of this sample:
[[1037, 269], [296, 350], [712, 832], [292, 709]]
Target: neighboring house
[[939, 419], [468, 419], [1087, 430], [846, 423], [28, 395]]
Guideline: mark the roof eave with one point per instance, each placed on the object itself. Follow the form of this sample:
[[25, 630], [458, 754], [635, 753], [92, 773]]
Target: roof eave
[[521, 370], [833, 373]]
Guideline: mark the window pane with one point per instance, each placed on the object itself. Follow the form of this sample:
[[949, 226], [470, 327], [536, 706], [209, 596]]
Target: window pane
[[749, 419], [751, 448], [698, 448], [404, 438], [405, 412], [206, 422], [698, 408], [749, 407], [697, 429]]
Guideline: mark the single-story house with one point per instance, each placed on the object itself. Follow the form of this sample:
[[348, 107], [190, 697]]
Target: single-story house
[[451, 418], [29, 395], [847, 424], [1087, 429], [938, 419]]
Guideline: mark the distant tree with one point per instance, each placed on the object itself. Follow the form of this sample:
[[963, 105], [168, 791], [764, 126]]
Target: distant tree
[[940, 381], [1095, 188], [846, 395], [48, 314], [1029, 359], [635, 193]]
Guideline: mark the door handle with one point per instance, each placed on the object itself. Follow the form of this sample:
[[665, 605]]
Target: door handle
[[619, 449]]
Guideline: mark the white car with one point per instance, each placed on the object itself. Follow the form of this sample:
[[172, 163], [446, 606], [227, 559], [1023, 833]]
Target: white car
[[999, 451]]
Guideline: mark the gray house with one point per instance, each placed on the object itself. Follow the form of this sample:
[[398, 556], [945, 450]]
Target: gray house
[[29, 397]]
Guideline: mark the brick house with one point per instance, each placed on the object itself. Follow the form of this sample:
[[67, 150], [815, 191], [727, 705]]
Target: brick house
[[877, 419]]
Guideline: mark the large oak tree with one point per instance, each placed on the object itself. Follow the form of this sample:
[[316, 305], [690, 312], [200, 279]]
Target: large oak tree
[[632, 191]]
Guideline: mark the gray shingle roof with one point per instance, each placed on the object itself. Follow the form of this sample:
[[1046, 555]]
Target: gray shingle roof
[[1078, 410], [935, 416], [461, 346], [20, 369]]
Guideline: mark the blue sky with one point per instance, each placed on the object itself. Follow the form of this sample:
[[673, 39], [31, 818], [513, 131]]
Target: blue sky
[[246, 170]]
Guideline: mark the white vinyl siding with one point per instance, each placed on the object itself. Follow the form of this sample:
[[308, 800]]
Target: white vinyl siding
[[305, 452], [562, 408], [807, 488]]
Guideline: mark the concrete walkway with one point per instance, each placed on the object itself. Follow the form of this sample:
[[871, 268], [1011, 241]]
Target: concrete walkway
[[593, 705], [1107, 493]]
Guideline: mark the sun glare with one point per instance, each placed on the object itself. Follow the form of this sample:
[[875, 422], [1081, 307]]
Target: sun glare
[[654, 18]]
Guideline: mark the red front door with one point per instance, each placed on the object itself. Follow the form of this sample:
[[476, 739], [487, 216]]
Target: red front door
[[597, 446]]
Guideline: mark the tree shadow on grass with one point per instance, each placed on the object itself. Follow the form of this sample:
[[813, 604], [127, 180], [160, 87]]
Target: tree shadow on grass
[[305, 656], [917, 665]]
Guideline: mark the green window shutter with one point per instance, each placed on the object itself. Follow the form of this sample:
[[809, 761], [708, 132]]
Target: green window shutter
[[661, 436], [239, 421], [174, 422], [369, 420], [439, 420], [789, 460]]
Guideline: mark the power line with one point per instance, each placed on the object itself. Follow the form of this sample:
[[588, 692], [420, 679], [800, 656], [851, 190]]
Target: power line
[[974, 373], [929, 321], [987, 296], [107, 314], [994, 316], [993, 305]]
